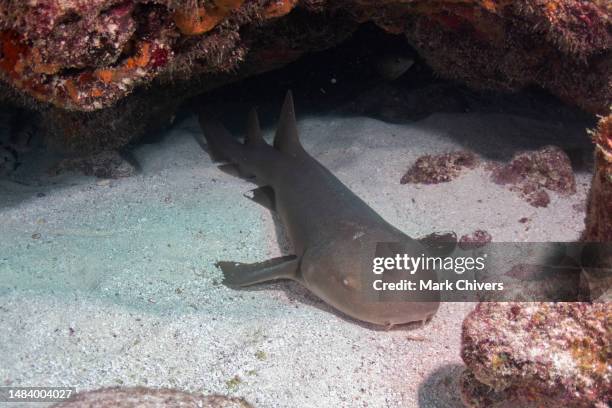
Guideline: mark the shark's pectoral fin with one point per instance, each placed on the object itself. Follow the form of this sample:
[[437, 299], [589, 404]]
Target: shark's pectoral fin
[[263, 196], [241, 274], [440, 243]]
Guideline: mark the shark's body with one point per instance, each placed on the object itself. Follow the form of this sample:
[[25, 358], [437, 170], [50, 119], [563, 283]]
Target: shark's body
[[334, 233]]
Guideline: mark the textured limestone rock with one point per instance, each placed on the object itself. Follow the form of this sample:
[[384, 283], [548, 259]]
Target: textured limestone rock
[[108, 165], [532, 173], [476, 239], [149, 398], [599, 212], [111, 89], [477, 394], [538, 354], [440, 168], [127, 64], [598, 278], [563, 46]]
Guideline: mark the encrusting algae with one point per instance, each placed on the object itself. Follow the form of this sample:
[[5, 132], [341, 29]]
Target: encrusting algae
[[204, 19], [87, 55]]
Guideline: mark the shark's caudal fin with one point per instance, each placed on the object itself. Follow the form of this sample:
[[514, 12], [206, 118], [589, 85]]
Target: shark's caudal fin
[[218, 138], [224, 148], [286, 139]]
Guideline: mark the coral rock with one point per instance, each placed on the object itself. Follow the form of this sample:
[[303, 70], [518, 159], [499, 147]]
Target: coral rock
[[476, 239], [538, 354], [103, 56], [110, 165], [530, 173], [599, 212], [599, 216], [439, 168]]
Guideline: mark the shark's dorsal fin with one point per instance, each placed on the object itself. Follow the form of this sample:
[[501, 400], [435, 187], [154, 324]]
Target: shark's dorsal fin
[[253, 135], [286, 139]]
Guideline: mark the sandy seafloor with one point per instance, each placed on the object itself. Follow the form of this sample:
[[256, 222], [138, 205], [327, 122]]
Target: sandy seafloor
[[121, 288]]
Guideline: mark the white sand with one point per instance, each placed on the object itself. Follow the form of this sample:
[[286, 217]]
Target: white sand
[[121, 288]]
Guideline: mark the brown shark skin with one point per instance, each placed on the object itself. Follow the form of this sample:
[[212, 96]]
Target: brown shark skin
[[334, 233]]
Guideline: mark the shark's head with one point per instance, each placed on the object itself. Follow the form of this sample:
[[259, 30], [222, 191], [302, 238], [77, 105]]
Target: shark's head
[[344, 275]]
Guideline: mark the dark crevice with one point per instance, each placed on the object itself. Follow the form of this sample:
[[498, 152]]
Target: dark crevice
[[349, 80], [71, 17], [73, 72]]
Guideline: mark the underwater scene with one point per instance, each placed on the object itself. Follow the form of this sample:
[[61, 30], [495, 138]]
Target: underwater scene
[[306, 203]]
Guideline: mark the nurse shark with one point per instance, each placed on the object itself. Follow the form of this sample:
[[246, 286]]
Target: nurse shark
[[334, 233]]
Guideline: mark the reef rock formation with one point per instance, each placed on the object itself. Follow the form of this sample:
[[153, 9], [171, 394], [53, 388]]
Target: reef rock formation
[[531, 174], [597, 279], [148, 398], [538, 354], [103, 72], [108, 165], [599, 213], [440, 168]]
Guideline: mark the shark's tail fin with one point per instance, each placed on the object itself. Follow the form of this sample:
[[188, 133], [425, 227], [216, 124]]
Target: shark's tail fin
[[219, 141], [286, 139], [223, 147]]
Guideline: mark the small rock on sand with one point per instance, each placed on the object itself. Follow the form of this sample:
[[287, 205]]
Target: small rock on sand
[[440, 168], [105, 165], [532, 173], [476, 239]]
